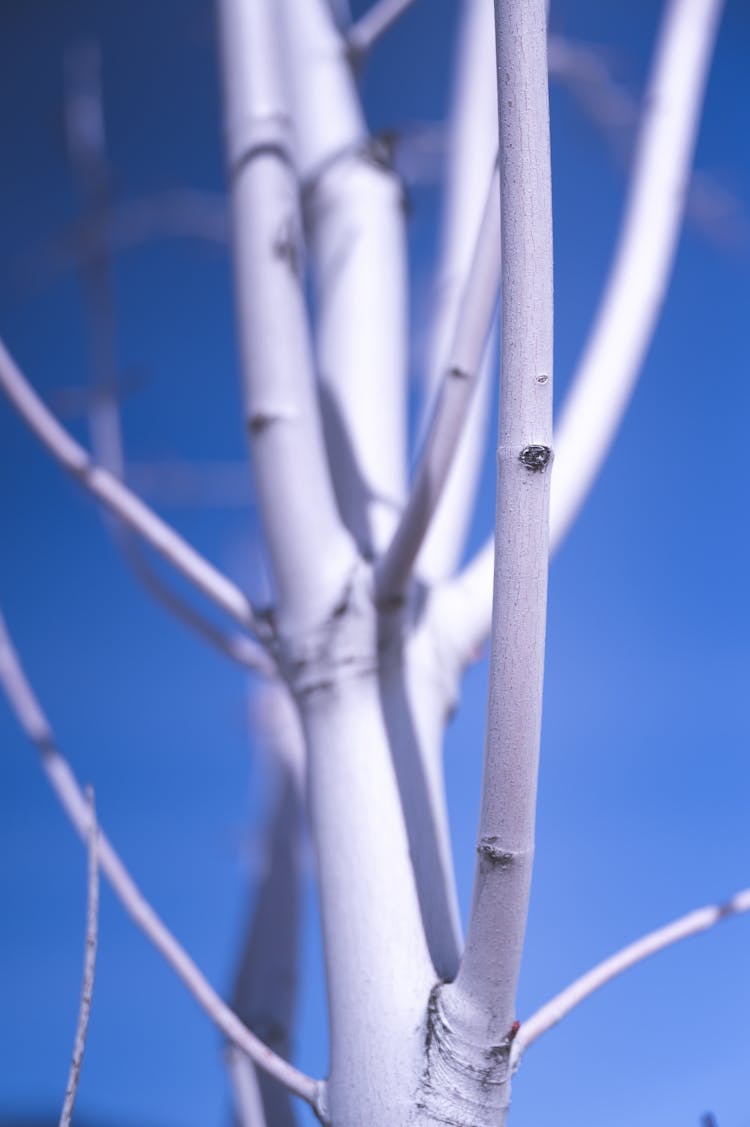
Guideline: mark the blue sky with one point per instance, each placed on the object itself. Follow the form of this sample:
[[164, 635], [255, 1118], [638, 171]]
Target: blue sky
[[645, 782]]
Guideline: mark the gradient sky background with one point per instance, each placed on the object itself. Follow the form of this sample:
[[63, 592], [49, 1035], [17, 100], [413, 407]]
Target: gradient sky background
[[645, 782]]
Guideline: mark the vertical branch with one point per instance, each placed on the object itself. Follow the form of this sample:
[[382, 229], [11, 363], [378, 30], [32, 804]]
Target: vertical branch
[[28, 712], [311, 552], [472, 151], [489, 970], [477, 1010], [626, 320], [89, 965], [265, 988], [354, 213]]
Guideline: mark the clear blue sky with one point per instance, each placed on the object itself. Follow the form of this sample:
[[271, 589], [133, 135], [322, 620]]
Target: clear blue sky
[[645, 782]]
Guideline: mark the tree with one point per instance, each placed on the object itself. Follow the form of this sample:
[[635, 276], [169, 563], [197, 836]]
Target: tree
[[371, 699]]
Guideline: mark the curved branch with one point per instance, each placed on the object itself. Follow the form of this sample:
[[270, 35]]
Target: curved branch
[[62, 780], [116, 496], [702, 919], [635, 292], [89, 964]]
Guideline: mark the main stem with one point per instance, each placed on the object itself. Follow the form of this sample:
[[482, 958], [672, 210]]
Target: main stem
[[474, 1015]]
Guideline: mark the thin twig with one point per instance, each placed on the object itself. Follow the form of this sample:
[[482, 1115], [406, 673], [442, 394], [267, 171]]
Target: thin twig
[[65, 785], [118, 498], [560, 1006], [89, 965], [365, 33]]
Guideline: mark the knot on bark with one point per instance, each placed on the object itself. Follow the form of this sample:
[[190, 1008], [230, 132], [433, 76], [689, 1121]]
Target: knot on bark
[[343, 646], [536, 458], [464, 1083]]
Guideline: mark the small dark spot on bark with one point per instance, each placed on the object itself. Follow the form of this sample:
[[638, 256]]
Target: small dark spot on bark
[[489, 849], [458, 374], [542, 378], [535, 458], [286, 246], [259, 422]]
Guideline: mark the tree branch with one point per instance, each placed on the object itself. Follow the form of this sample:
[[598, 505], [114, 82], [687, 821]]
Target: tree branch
[[471, 156], [311, 552], [552, 1012], [473, 325], [475, 1013], [119, 499], [265, 989], [354, 213], [62, 780], [248, 1105], [627, 317], [89, 960]]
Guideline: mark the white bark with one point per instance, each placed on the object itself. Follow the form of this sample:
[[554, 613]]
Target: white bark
[[378, 968], [89, 966], [635, 291], [472, 153], [475, 315], [354, 214], [472, 1017], [311, 552], [265, 989]]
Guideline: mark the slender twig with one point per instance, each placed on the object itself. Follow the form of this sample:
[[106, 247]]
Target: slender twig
[[469, 340], [89, 963], [701, 919], [118, 498], [627, 317], [29, 713], [364, 34]]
